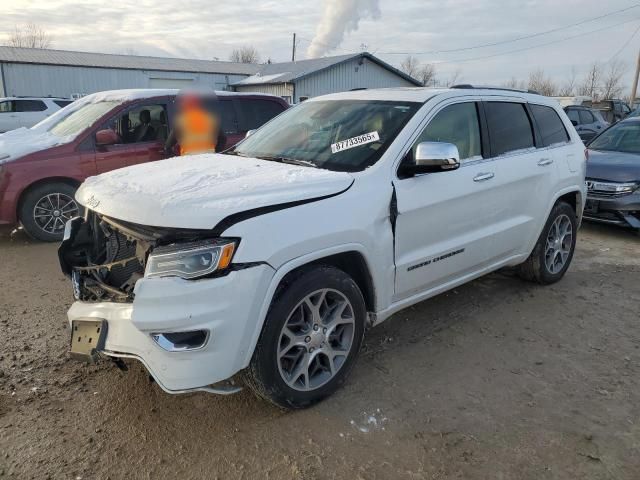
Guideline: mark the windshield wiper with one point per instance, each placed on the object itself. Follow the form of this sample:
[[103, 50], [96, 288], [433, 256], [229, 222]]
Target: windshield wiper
[[290, 161]]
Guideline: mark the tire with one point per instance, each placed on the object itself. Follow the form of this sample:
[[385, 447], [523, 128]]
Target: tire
[[45, 209], [279, 356], [549, 269]]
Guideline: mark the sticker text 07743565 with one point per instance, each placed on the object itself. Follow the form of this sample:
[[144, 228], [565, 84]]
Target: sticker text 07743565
[[355, 142]]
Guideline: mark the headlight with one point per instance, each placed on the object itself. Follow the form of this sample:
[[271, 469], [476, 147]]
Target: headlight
[[190, 260]]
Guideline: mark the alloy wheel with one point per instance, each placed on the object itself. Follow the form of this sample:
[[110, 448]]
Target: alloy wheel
[[316, 339], [559, 244], [52, 211]]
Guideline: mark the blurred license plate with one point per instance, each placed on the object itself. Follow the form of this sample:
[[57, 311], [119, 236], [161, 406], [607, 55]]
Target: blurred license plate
[[87, 338], [591, 206]]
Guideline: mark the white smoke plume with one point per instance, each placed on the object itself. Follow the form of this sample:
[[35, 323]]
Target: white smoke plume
[[340, 17]]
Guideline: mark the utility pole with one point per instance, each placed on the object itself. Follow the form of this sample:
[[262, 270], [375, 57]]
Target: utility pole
[[293, 51], [634, 88]]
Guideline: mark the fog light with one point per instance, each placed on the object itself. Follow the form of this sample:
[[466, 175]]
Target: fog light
[[181, 341]]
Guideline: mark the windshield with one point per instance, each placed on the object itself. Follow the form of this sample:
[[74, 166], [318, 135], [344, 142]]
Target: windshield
[[622, 137], [341, 135], [80, 119]]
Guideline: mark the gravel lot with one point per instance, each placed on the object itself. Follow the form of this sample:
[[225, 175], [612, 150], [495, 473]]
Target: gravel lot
[[497, 379]]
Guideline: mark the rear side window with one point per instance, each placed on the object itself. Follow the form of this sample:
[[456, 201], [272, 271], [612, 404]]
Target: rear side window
[[586, 117], [228, 117], [62, 103], [550, 125], [256, 113], [572, 113], [29, 106], [509, 127]]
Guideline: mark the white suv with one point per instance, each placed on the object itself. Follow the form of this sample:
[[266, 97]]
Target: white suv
[[16, 112], [271, 260]]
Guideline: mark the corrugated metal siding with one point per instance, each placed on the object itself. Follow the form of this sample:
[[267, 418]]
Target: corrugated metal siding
[[62, 81], [279, 89], [347, 76]]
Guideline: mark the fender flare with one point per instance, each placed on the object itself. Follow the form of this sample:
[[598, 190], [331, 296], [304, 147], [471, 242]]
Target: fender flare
[[280, 273]]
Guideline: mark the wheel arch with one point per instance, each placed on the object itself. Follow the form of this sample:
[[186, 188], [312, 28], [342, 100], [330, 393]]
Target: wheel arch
[[350, 258]]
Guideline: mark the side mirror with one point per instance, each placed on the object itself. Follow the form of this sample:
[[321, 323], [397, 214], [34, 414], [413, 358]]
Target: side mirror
[[574, 123], [249, 133], [106, 137], [433, 157]]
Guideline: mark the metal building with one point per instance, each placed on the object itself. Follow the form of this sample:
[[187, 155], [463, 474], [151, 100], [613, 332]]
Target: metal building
[[297, 81], [60, 73]]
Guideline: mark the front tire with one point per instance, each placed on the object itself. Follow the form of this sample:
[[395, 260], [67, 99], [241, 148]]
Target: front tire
[[554, 249], [310, 340], [45, 209]]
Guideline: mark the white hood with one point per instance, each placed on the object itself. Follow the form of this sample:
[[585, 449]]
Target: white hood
[[198, 191]]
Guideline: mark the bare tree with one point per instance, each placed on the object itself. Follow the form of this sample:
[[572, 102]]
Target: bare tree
[[411, 66], [514, 83], [30, 36], [541, 83], [453, 79], [427, 75], [591, 81], [568, 88], [245, 54], [612, 82]]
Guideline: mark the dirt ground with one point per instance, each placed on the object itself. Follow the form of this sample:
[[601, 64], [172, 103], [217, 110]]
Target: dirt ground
[[498, 379]]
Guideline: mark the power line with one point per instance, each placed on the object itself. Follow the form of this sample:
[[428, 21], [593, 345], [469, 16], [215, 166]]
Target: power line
[[625, 43], [464, 60], [502, 42]]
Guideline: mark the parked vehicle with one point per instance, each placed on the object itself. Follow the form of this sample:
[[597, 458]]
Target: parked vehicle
[[576, 100], [613, 175], [272, 259], [588, 122], [16, 112], [612, 110], [41, 167]]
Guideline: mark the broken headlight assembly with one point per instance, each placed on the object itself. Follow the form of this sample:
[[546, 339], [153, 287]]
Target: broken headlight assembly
[[190, 260]]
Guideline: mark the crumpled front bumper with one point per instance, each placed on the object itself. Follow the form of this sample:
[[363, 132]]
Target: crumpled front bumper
[[624, 210], [228, 307]]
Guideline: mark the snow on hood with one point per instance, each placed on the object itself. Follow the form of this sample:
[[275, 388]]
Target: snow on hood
[[198, 191], [23, 141]]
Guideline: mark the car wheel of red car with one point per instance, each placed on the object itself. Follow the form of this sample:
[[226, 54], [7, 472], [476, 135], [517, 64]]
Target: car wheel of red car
[[45, 209]]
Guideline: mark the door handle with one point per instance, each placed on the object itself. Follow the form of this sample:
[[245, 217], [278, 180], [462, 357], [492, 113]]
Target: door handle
[[481, 177], [545, 161]]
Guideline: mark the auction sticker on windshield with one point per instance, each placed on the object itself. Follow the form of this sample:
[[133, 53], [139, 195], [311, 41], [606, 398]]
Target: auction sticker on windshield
[[355, 142]]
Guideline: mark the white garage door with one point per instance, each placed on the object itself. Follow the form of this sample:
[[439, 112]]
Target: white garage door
[[170, 82]]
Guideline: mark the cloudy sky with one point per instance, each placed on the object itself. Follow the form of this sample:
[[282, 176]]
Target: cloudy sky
[[211, 29]]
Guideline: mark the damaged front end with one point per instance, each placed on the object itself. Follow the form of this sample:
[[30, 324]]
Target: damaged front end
[[105, 257]]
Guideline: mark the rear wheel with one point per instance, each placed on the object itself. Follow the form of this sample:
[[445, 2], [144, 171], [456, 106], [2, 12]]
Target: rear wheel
[[45, 209], [554, 249], [310, 339]]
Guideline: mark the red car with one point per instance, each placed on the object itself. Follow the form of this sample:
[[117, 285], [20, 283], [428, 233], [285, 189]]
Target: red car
[[41, 167]]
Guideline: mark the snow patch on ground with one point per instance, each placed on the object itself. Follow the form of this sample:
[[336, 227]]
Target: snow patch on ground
[[370, 422]]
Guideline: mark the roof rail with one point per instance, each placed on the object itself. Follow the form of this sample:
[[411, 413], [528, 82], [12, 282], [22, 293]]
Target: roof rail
[[358, 89], [465, 86]]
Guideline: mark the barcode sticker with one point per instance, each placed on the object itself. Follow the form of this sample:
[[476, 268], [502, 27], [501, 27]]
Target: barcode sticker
[[355, 142]]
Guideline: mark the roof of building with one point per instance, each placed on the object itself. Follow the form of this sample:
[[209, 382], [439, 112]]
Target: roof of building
[[289, 71], [130, 62]]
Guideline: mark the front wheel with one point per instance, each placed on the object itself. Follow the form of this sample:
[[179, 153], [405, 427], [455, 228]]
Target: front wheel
[[554, 249], [310, 339], [45, 209]]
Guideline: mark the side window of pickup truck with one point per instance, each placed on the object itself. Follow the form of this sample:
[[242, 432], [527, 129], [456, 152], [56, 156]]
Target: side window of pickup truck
[[509, 127], [457, 124]]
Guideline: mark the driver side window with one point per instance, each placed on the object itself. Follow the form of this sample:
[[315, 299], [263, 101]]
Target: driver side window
[[143, 123], [457, 124]]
